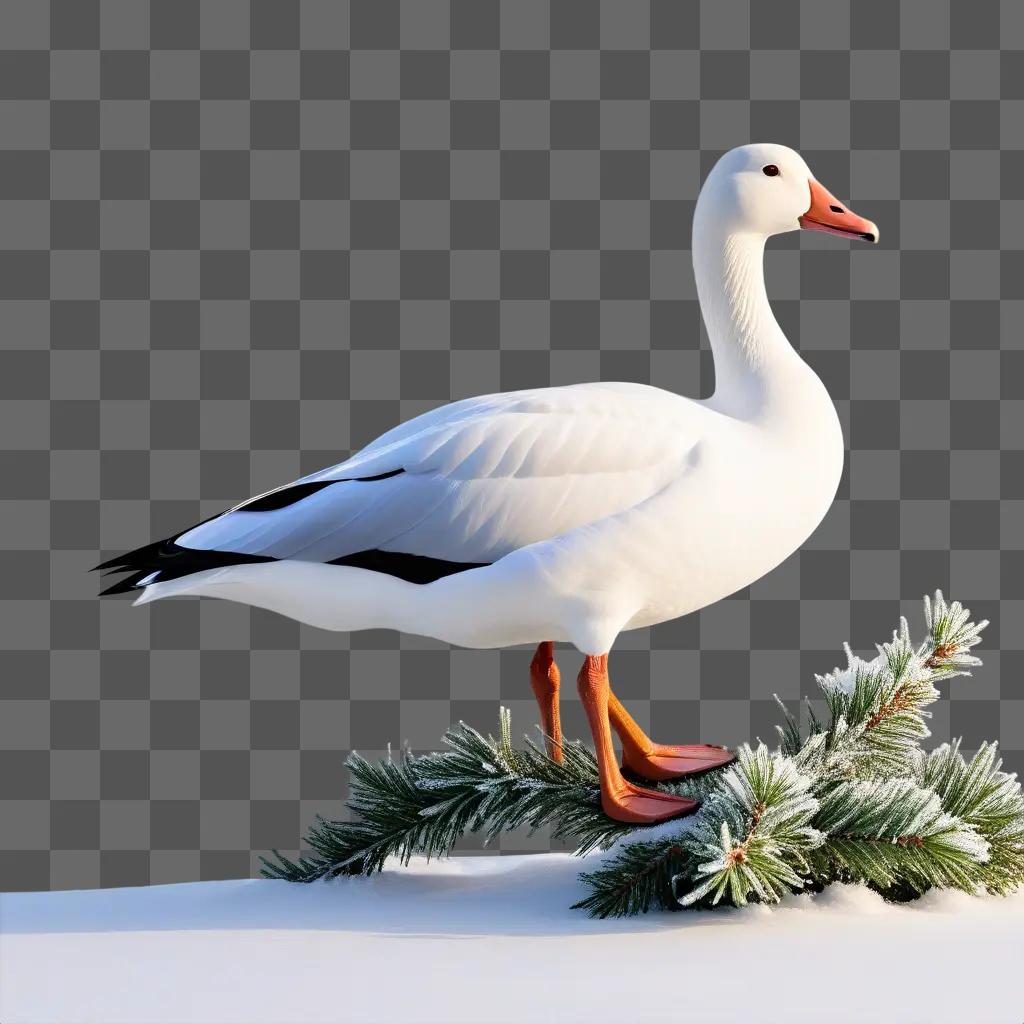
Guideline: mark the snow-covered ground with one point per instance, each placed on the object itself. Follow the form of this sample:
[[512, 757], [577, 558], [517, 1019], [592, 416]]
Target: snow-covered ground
[[479, 939]]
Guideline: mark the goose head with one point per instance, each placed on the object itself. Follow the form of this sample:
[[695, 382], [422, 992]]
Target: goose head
[[766, 189]]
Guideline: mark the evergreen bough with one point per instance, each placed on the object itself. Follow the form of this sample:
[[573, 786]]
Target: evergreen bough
[[853, 800]]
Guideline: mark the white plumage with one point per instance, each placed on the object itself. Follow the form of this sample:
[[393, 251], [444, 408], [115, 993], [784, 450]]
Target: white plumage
[[596, 507]]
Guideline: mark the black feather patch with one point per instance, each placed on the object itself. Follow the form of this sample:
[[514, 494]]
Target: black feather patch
[[285, 496], [411, 568], [371, 479]]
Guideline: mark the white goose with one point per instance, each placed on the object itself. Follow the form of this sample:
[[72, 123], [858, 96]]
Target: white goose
[[567, 513]]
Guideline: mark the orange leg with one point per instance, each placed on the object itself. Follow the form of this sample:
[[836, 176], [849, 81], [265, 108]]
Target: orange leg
[[544, 679], [660, 761], [640, 754], [620, 799]]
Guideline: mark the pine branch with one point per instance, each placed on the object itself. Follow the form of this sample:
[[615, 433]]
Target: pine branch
[[479, 785], [952, 635], [883, 817], [791, 739], [762, 800], [391, 806], [639, 878], [754, 828], [882, 706], [886, 831], [855, 799], [878, 707], [987, 799], [519, 787]]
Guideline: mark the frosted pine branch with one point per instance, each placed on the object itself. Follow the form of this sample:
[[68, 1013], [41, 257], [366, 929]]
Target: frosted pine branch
[[881, 811], [986, 798], [425, 804], [851, 798], [754, 828]]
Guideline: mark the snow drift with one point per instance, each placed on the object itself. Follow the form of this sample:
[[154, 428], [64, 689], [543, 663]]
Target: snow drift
[[475, 939]]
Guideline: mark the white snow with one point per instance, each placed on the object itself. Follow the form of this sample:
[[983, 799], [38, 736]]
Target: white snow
[[476, 939]]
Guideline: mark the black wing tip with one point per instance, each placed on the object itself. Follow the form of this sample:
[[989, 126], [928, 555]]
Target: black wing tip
[[124, 586], [172, 562], [272, 501], [175, 561], [137, 558], [118, 562]]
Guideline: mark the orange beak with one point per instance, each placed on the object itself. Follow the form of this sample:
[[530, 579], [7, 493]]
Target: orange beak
[[827, 214]]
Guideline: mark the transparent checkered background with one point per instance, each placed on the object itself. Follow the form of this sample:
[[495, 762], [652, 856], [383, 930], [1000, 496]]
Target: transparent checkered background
[[241, 239]]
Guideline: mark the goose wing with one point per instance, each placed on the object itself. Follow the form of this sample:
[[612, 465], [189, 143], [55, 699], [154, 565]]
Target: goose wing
[[472, 481]]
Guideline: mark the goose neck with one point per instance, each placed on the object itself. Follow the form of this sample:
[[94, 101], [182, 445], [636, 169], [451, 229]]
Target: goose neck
[[752, 356]]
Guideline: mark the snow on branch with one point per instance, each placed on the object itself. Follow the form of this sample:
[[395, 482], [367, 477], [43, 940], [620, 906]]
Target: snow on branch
[[851, 799]]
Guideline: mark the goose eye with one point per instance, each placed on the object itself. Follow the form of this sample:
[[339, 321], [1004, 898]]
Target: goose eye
[[771, 170]]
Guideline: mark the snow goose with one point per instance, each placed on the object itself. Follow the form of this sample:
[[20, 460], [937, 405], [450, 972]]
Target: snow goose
[[565, 513]]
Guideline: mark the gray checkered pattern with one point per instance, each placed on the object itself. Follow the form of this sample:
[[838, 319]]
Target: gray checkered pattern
[[241, 239]]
